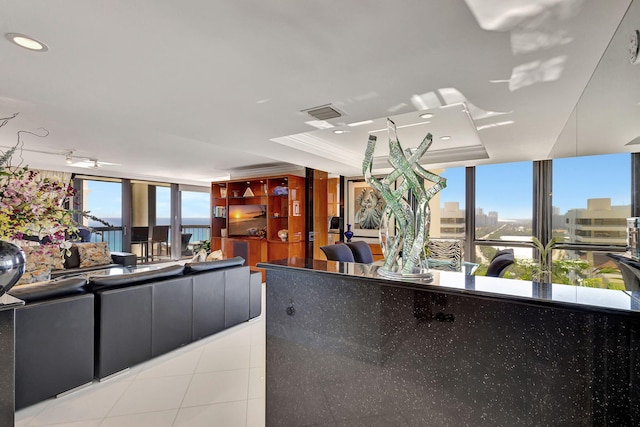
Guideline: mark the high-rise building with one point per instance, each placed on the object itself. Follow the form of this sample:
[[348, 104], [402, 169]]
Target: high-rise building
[[599, 223], [452, 221]]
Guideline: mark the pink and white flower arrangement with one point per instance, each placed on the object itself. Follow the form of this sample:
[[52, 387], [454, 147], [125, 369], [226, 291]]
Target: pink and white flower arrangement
[[34, 206], [31, 205]]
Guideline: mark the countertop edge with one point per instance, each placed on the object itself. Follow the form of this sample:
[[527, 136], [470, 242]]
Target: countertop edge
[[518, 299]]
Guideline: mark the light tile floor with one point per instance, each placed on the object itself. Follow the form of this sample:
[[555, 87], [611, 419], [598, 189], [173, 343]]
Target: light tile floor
[[217, 381]]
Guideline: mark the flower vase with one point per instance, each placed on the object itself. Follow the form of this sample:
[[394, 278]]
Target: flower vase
[[348, 234], [12, 265]]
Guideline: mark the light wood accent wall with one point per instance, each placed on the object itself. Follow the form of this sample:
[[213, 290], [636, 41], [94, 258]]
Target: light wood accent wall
[[320, 216], [140, 205]]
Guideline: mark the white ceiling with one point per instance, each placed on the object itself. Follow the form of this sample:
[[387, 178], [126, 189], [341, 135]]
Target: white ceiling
[[190, 91]]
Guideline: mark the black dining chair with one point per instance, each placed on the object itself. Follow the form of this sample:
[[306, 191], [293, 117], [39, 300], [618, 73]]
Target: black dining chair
[[338, 252], [184, 244], [160, 236], [500, 263], [630, 270], [84, 234], [361, 251], [140, 236]]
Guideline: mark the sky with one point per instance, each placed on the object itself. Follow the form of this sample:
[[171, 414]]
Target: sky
[[505, 188], [105, 201]]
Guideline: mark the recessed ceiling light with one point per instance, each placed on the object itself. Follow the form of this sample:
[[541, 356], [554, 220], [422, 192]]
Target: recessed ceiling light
[[320, 124], [364, 122], [400, 127], [26, 42], [340, 131], [493, 125], [426, 116], [445, 138]]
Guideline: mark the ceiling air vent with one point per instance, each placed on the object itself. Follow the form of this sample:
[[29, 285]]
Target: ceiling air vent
[[324, 112]]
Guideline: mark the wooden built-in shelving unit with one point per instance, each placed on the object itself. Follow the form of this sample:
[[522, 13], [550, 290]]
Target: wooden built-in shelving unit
[[283, 200]]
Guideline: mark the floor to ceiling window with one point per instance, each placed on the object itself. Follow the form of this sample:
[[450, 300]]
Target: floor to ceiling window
[[103, 200], [163, 205], [591, 201], [503, 210], [195, 209], [452, 206]]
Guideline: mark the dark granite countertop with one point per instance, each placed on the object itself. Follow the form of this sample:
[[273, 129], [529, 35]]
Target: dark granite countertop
[[520, 291]]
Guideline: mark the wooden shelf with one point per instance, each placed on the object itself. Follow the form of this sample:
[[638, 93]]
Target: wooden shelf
[[283, 197]]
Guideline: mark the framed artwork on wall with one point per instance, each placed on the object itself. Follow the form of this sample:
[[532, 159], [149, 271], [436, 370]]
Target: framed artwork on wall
[[364, 208]]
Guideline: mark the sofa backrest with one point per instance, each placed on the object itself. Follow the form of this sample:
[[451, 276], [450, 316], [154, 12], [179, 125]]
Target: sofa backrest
[[201, 267], [50, 290], [99, 283]]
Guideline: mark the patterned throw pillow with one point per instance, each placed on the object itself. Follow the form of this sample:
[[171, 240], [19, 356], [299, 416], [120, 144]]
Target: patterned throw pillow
[[40, 260], [92, 254], [43, 256]]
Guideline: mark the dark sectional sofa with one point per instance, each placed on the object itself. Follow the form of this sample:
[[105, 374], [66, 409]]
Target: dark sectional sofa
[[72, 331]]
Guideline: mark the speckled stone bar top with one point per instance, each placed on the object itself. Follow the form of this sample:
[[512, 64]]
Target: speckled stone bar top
[[344, 347], [576, 297]]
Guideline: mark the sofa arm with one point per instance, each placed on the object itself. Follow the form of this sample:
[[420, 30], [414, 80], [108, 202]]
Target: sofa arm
[[54, 347], [124, 258]]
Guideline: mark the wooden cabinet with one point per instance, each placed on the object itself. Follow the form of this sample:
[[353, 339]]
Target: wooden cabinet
[[266, 212], [218, 209]]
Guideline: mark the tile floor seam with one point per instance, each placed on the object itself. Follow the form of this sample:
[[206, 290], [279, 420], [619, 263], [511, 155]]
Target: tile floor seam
[[246, 405], [223, 370], [140, 413], [213, 403], [185, 395], [34, 416], [119, 397]]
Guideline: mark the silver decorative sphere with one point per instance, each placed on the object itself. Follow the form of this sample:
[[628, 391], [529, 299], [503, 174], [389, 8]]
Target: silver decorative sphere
[[12, 265]]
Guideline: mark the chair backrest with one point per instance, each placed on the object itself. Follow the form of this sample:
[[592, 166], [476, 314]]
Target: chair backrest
[[338, 252], [361, 251], [160, 233], [499, 265], [84, 234], [139, 234], [502, 252], [630, 270], [241, 249], [185, 237], [449, 250]]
